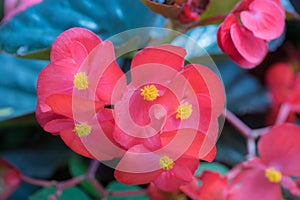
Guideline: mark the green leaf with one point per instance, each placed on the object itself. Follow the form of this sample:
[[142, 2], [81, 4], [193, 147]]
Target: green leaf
[[18, 85], [231, 147], [73, 193], [40, 159], [78, 167], [43, 54], [37, 27], [217, 7], [214, 166], [244, 93], [116, 186]]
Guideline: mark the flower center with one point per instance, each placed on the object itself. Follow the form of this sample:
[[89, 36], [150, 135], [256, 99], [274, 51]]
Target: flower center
[[149, 92], [273, 175], [80, 81], [82, 130], [166, 163], [184, 111]]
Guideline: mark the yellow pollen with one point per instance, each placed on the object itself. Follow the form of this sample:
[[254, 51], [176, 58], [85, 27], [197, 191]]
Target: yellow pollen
[[149, 92], [273, 175], [184, 111], [166, 163], [80, 81], [82, 130]]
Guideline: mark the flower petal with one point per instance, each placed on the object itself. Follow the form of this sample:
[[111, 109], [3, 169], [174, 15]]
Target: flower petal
[[285, 140], [252, 184], [264, 18], [63, 48], [254, 50], [169, 55], [225, 42]]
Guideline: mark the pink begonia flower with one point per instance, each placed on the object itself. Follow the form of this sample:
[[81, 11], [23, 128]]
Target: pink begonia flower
[[261, 178], [245, 32], [65, 73], [284, 87], [12, 7]]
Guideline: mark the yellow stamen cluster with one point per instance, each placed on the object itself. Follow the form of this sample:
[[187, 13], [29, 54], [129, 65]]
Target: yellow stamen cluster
[[149, 92], [273, 175], [166, 163], [80, 81], [184, 111], [82, 130]]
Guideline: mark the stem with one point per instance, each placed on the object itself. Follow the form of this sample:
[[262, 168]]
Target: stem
[[99, 188], [38, 182], [206, 21], [283, 113], [251, 146], [237, 123]]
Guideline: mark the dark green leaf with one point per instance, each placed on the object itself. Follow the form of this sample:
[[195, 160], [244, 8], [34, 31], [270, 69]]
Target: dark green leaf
[[214, 166], [43, 54], [244, 93], [17, 87], [37, 27], [231, 147], [72, 193], [116, 186], [41, 158], [78, 167]]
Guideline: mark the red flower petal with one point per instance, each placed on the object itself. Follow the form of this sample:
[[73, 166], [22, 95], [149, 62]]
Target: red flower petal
[[254, 50], [286, 142], [63, 48], [252, 184], [225, 42], [59, 125], [265, 19], [63, 104], [213, 187], [138, 166], [168, 56]]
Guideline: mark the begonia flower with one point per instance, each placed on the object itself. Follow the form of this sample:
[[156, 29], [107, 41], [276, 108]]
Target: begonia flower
[[245, 32], [278, 162], [66, 76]]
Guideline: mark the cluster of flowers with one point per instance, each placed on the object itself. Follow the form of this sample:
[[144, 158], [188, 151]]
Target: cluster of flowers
[[160, 119], [246, 31], [261, 177]]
